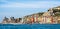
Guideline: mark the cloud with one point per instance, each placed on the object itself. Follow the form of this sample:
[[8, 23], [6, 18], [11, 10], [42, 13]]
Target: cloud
[[21, 5], [35, 4], [3, 1]]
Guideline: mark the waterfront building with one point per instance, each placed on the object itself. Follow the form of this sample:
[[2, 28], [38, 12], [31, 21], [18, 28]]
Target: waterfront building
[[30, 18], [48, 17], [12, 19], [55, 19], [40, 20], [58, 20], [18, 20], [25, 19], [5, 20], [35, 18], [9, 20]]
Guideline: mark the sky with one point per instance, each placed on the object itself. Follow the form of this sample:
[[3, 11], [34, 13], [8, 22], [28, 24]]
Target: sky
[[20, 8]]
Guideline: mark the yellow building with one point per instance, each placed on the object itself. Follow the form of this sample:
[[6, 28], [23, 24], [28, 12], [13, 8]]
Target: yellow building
[[58, 20]]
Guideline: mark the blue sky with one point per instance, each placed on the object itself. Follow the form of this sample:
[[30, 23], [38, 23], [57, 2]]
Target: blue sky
[[20, 8]]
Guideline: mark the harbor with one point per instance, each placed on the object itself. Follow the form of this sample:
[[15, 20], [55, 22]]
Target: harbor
[[29, 14]]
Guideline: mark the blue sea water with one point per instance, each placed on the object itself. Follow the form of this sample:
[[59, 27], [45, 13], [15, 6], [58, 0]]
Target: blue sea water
[[30, 26]]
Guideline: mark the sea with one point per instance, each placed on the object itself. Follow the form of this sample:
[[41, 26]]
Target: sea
[[29, 26]]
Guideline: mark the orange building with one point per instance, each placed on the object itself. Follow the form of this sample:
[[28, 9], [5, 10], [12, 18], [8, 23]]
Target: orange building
[[48, 19]]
